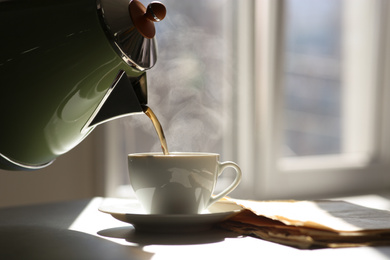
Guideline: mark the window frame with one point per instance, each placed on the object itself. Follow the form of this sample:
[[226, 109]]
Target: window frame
[[267, 175]]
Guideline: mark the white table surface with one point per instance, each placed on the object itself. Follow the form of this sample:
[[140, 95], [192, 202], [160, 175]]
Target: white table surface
[[77, 230]]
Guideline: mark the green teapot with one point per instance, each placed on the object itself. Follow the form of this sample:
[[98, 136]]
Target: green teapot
[[67, 66]]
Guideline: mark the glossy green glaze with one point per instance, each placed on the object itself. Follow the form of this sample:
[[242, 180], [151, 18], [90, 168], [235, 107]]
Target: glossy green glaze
[[56, 64]]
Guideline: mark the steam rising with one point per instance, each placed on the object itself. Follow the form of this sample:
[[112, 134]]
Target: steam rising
[[184, 87]]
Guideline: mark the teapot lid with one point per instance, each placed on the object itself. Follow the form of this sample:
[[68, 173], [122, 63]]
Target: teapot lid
[[130, 28]]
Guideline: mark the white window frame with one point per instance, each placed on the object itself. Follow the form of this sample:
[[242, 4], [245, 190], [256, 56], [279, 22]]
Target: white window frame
[[267, 175]]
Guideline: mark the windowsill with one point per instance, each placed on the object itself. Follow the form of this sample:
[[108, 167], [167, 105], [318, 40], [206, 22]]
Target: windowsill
[[324, 162]]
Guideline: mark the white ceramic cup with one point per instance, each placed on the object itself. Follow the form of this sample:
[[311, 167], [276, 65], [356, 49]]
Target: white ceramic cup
[[178, 183]]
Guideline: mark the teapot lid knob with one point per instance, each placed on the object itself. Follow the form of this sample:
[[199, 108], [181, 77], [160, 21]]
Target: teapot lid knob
[[144, 18]]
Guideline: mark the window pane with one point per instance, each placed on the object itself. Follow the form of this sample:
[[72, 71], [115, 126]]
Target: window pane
[[313, 89]]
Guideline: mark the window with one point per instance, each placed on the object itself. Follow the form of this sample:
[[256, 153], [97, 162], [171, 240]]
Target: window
[[294, 91], [320, 117]]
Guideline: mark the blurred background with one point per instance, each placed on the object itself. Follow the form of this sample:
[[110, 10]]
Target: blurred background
[[294, 91]]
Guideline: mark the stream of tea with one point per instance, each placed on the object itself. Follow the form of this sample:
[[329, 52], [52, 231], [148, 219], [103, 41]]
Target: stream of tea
[[157, 126]]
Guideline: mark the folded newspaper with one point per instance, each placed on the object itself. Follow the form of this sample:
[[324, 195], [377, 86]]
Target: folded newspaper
[[312, 224]]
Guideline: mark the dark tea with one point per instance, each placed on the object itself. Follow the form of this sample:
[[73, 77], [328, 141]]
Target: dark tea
[[157, 126]]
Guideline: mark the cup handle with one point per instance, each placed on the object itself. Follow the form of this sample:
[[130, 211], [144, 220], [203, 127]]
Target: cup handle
[[221, 167]]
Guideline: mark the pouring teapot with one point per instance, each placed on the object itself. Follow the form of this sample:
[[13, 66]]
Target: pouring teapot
[[67, 66]]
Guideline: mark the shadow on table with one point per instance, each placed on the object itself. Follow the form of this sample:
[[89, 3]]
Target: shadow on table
[[150, 238], [38, 242]]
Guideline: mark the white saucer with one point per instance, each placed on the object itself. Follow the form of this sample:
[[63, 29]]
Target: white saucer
[[130, 211]]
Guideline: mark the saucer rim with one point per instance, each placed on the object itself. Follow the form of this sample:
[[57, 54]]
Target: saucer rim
[[175, 223], [203, 214]]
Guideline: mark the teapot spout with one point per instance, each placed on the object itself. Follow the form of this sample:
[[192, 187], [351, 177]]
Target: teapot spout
[[125, 96]]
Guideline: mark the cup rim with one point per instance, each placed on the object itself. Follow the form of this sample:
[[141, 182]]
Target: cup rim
[[173, 154]]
